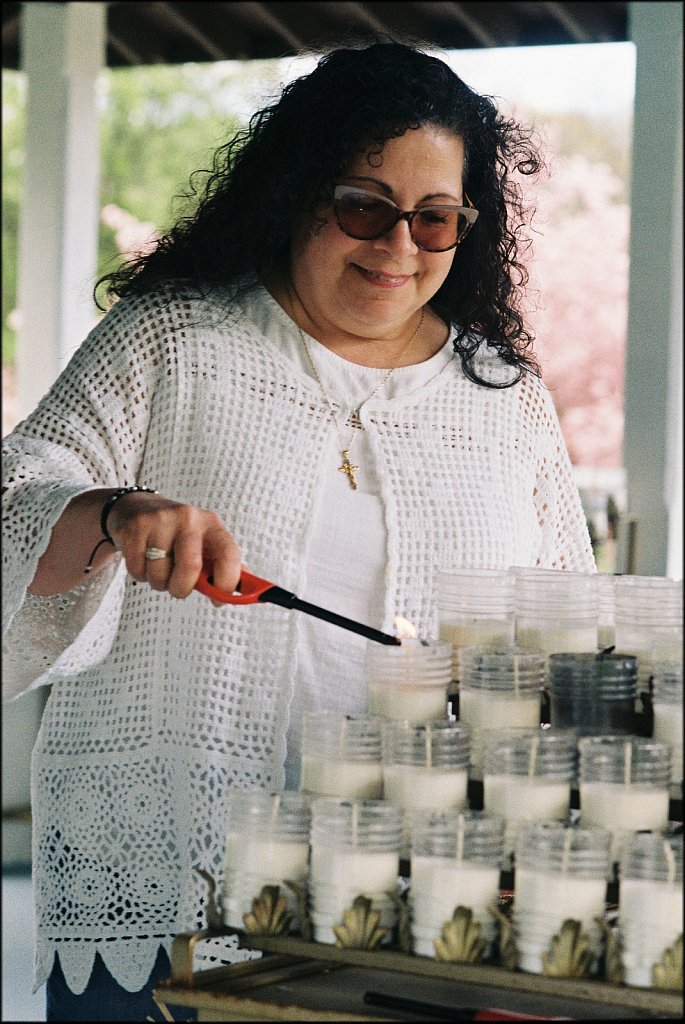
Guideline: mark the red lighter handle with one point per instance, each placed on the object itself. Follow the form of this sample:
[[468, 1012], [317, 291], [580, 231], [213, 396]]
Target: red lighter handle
[[251, 589]]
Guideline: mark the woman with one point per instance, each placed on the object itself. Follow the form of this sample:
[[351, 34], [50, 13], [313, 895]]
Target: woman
[[325, 376]]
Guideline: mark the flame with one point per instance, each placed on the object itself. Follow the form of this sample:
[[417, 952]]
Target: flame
[[404, 629]]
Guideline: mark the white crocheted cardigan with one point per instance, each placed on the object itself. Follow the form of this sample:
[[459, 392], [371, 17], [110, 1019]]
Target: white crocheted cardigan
[[157, 706]]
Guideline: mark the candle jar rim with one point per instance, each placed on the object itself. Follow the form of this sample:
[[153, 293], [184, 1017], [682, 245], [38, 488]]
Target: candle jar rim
[[644, 856]]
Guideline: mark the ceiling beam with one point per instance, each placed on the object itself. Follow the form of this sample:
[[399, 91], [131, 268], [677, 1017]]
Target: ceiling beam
[[562, 15], [258, 12], [170, 13], [123, 49], [474, 27]]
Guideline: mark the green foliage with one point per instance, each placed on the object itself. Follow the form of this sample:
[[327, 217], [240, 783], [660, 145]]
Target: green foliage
[[12, 178], [158, 125]]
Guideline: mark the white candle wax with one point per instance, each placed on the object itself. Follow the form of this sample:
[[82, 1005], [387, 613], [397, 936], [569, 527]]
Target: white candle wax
[[420, 703], [354, 870], [617, 805], [486, 709], [543, 900], [438, 886], [338, 876], [250, 863], [413, 786], [606, 635], [650, 919], [550, 639], [361, 780], [668, 728], [488, 632], [522, 798]]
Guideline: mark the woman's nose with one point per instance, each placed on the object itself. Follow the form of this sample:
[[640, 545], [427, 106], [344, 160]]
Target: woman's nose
[[398, 238]]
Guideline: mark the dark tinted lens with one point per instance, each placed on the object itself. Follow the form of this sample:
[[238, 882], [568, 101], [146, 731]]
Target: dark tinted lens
[[437, 228], [362, 216]]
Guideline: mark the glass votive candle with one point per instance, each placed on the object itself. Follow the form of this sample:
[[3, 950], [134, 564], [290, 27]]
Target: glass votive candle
[[475, 607], [606, 632], [267, 842], [649, 621], [355, 851], [456, 861], [342, 755], [499, 687], [561, 874], [425, 765], [555, 610], [409, 682], [667, 706], [527, 776], [624, 785], [650, 908], [594, 694]]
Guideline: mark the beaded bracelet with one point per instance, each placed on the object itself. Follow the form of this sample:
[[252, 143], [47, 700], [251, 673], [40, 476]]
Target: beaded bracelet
[[106, 509]]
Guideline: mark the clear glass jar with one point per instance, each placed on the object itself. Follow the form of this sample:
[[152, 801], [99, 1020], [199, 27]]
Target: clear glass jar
[[606, 631], [475, 608], [410, 682], [650, 909], [342, 755], [528, 775], [456, 860], [649, 621], [355, 851], [267, 842], [667, 706], [594, 694], [499, 687], [561, 873], [425, 765], [556, 610], [624, 784]]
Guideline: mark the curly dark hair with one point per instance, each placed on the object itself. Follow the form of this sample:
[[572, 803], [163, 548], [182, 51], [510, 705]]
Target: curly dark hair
[[291, 153]]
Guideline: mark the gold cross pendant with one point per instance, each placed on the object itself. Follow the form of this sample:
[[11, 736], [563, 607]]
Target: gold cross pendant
[[348, 468]]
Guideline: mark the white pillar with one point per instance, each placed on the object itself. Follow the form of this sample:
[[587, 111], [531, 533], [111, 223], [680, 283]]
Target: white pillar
[[63, 51], [653, 389]]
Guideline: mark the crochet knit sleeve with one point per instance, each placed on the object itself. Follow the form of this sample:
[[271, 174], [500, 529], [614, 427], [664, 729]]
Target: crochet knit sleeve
[[565, 538], [88, 431]]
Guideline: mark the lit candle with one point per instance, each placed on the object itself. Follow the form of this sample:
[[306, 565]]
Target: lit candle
[[409, 682]]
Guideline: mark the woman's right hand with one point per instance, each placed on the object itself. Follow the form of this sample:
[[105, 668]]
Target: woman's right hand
[[195, 538]]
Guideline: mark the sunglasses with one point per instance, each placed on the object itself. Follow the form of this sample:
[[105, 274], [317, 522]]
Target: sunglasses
[[367, 216]]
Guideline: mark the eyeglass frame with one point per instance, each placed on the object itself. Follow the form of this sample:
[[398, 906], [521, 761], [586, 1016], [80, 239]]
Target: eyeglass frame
[[469, 212]]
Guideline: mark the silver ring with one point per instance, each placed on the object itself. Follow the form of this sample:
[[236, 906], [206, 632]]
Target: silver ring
[[152, 554]]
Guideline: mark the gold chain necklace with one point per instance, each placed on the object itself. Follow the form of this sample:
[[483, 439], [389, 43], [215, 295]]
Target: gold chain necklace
[[346, 466]]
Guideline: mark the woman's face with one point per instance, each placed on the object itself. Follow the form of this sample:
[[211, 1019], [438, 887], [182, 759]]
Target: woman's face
[[371, 288]]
